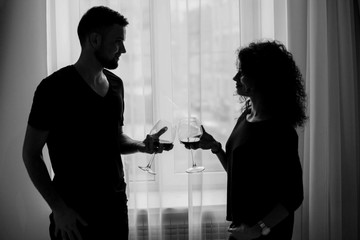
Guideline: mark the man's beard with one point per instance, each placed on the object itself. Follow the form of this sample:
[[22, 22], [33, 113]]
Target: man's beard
[[106, 63]]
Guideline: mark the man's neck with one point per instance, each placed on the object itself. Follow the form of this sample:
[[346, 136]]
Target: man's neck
[[92, 73], [90, 70]]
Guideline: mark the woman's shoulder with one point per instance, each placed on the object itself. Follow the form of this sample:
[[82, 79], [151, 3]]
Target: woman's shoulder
[[244, 113], [284, 132]]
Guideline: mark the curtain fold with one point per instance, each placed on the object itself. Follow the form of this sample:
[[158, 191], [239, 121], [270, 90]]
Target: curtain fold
[[326, 53], [356, 20]]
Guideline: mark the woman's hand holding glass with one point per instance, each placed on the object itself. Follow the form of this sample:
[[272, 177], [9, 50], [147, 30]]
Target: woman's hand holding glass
[[206, 142], [190, 132]]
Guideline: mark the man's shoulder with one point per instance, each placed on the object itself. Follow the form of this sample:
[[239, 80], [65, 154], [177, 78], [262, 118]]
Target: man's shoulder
[[113, 78], [56, 78], [62, 72], [111, 75]]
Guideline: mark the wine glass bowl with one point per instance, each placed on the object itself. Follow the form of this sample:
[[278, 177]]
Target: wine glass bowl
[[189, 134], [166, 140]]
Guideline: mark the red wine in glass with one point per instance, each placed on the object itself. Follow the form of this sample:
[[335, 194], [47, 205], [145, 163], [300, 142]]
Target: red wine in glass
[[166, 139], [189, 133]]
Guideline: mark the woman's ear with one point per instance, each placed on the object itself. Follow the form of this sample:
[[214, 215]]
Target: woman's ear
[[95, 39], [248, 90]]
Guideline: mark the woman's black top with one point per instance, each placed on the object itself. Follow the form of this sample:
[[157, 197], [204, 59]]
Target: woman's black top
[[264, 170]]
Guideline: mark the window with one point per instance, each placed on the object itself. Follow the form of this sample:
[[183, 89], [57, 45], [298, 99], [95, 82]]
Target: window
[[180, 61]]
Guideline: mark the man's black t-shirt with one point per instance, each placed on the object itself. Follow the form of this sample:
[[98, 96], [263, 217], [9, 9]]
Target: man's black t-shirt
[[83, 135], [264, 170]]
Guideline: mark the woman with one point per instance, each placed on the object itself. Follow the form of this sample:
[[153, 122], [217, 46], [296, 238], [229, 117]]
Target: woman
[[261, 155]]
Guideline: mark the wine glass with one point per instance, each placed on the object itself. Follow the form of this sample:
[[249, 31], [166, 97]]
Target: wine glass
[[189, 133], [166, 139]]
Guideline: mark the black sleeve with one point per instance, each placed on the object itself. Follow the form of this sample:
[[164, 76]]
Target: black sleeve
[[123, 104], [41, 112], [289, 172]]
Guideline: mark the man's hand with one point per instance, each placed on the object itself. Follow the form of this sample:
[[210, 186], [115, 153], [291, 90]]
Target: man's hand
[[66, 224], [154, 145]]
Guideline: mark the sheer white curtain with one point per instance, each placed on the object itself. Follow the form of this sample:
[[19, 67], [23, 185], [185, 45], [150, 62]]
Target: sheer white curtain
[[322, 38]]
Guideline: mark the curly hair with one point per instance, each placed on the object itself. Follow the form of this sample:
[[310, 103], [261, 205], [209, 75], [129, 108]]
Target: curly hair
[[274, 74]]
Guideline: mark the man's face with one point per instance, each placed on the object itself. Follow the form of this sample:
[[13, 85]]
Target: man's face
[[112, 46]]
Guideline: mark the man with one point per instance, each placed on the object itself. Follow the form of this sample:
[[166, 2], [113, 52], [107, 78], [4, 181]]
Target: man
[[78, 112]]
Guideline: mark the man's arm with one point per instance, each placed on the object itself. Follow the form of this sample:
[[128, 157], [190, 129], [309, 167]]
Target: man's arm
[[129, 145], [65, 218], [149, 145], [33, 159]]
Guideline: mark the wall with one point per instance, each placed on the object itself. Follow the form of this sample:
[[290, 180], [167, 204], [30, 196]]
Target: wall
[[23, 212]]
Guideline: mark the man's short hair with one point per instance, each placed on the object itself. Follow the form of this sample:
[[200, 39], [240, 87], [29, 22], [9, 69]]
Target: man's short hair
[[97, 19]]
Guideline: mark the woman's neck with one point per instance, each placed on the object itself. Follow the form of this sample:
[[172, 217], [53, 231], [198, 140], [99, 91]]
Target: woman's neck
[[259, 111]]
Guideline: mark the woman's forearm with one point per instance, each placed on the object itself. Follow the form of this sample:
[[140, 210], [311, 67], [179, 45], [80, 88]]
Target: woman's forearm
[[220, 153], [278, 214], [222, 157], [263, 227]]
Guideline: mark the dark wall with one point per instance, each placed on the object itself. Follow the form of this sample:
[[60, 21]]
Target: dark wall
[[23, 213]]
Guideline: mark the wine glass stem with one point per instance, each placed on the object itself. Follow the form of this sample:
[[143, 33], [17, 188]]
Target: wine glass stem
[[192, 158], [151, 161]]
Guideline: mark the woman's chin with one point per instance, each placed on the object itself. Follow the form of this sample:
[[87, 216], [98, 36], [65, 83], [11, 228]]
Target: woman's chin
[[241, 93]]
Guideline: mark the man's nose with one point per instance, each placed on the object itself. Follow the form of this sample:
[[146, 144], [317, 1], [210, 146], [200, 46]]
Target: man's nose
[[123, 49]]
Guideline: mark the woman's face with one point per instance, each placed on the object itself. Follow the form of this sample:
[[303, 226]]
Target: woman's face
[[242, 86]]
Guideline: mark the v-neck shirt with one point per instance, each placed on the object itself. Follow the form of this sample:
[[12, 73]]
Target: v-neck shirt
[[83, 132]]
